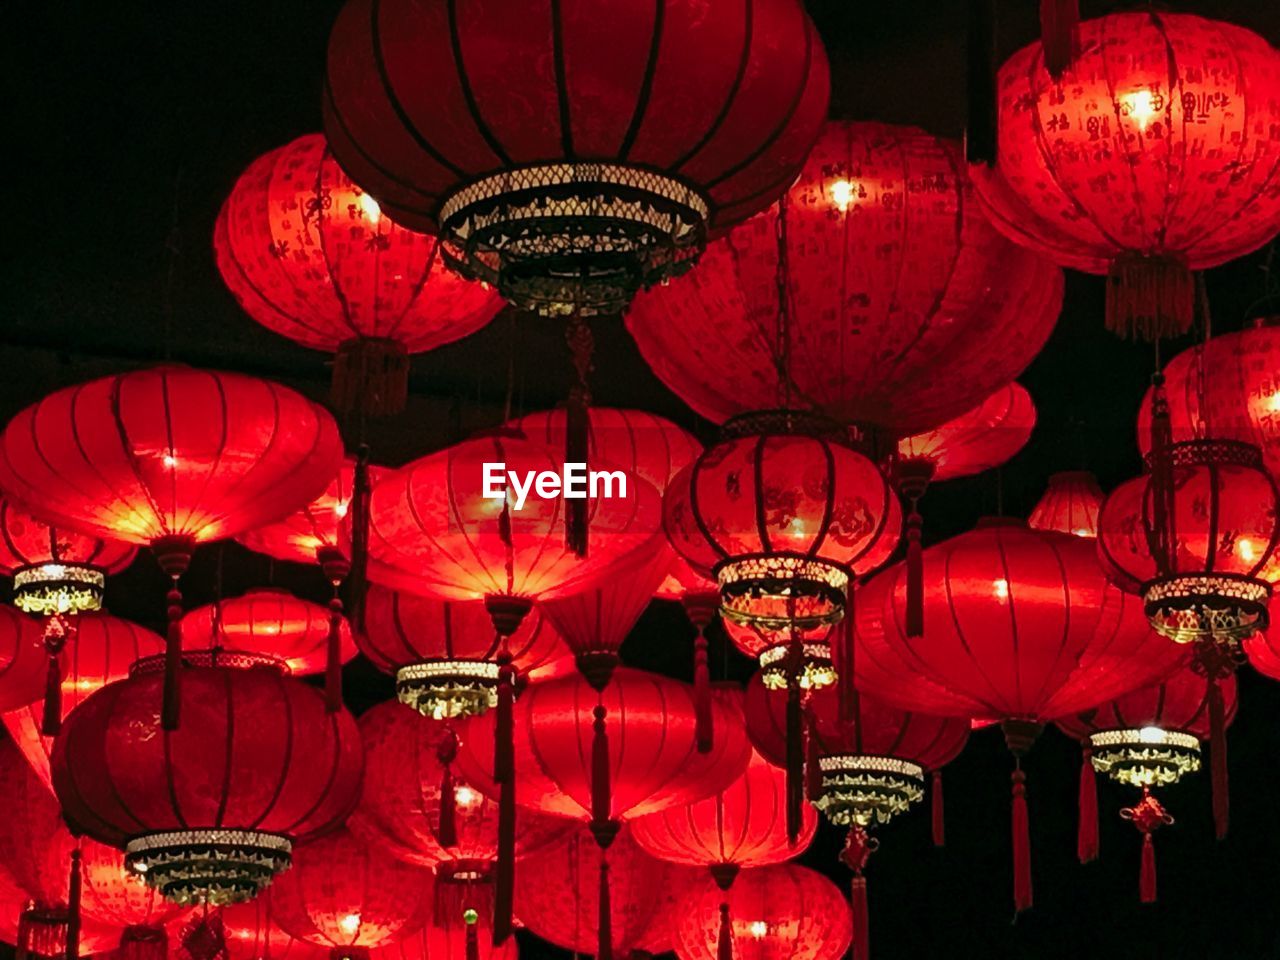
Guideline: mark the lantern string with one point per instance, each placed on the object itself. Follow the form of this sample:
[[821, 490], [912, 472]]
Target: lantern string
[[1022, 895], [1202, 426], [58, 631], [74, 884], [447, 828]]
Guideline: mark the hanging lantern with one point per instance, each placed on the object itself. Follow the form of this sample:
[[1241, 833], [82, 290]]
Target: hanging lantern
[[311, 256], [602, 176], [783, 912], [464, 937], [246, 932], [1263, 652], [1146, 739], [773, 648], [1227, 387], [348, 896], [170, 457], [196, 826], [1083, 171], [98, 652], [1069, 505], [23, 670], [909, 308]]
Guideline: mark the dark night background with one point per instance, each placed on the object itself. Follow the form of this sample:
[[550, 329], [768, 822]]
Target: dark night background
[[128, 123]]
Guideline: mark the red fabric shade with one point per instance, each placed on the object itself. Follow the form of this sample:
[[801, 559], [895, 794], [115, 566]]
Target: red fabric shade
[[1069, 505], [251, 934], [28, 542], [447, 941], [1086, 163], [1264, 652], [270, 621], [13, 900], [984, 438], [909, 307], [1181, 703], [22, 660], [784, 912], [99, 651], [342, 893]]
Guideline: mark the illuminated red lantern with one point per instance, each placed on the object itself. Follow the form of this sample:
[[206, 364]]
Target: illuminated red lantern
[[247, 932], [350, 896], [556, 899], [1264, 653], [466, 937], [199, 824], [13, 902], [783, 912], [98, 652], [909, 308], [310, 255], [1226, 387], [601, 174], [1145, 739], [1084, 162], [23, 671], [171, 457], [1069, 505]]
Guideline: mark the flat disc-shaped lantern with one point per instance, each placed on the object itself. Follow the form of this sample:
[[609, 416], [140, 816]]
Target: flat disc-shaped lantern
[[311, 256], [907, 307], [98, 652], [1150, 156], [172, 457], [208, 812], [783, 912], [350, 896], [1069, 505], [560, 156], [1227, 387]]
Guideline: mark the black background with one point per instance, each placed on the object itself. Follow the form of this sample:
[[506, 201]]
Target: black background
[[128, 122]]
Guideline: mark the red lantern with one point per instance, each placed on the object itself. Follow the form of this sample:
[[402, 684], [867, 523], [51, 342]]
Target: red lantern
[[590, 171], [1264, 653], [249, 933], [1150, 156], [1227, 387], [465, 937], [98, 652], [1069, 505], [13, 901], [555, 899], [311, 256], [22, 660], [170, 457], [201, 824], [784, 912], [349, 896], [1145, 739], [909, 307]]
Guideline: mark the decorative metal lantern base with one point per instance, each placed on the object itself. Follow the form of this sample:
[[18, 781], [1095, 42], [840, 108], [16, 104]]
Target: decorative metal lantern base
[[48, 589], [816, 670], [441, 689], [580, 237], [862, 790], [782, 590], [208, 866], [1145, 758], [1222, 607]]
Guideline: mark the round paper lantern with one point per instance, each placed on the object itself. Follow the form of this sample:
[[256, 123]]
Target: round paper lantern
[[200, 822], [783, 912], [1227, 387], [1069, 505], [1150, 156], [909, 308], [172, 457], [311, 256], [56, 571], [1195, 536], [22, 660], [269, 621], [98, 652], [582, 169], [350, 896]]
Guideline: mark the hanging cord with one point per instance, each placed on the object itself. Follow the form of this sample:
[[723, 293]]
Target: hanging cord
[[782, 277], [1202, 426]]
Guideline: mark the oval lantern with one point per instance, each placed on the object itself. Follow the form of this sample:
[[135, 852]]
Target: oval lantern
[[602, 174], [1150, 156], [201, 824], [171, 457], [311, 256], [909, 307], [1070, 504]]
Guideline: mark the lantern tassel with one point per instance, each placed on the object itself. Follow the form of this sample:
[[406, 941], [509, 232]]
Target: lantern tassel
[[333, 657], [447, 828], [604, 926], [142, 943], [473, 935], [702, 694], [861, 919], [578, 427], [1218, 761], [1087, 811], [936, 810], [73, 907], [1059, 34], [1147, 874], [980, 125], [843, 656], [915, 572], [169, 711], [1149, 297], [504, 775], [601, 788], [56, 631], [1022, 896], [370, 375], [357, 579], [795, 762], [724, 941]]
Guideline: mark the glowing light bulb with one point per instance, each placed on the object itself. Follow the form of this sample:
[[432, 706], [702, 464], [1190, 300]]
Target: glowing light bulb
[[170, 460], [796, 528], [350, 923], [1244, 548], [139, 868], [842, 194], [1151, 735], [1273, 402], [758, 929], [370, 208], [1142, 106], [465, 797], [1081, 532], [341, 509], [1000, 588]]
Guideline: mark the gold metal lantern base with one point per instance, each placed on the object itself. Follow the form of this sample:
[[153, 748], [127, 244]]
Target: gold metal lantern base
[[49, 589], [816, 670], [216, 867], [1221, 607], [863, 790], [1146, 757], [443, 689]]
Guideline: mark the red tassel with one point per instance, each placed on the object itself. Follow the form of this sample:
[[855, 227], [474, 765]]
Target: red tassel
[[357, 581], [842, 652], [504, 727], [577, 427], [1218, 761], [702, 694], [812, 768], [724, 942], [51, 718], [370, 374], [936, 811], [861, 919], [1147, 875], [1022, 898], [142, 943], [601, 788], [1087, 806], [795, 762], [473, 935], [1149, 297], [169, 710], [915, 573], [333, 657], [42, 933], [604, 927], [504, 775], [447, 829], [73, 907], [1059, 37]]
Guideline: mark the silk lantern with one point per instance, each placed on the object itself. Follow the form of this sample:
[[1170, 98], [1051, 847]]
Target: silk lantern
[[1070, 505]]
